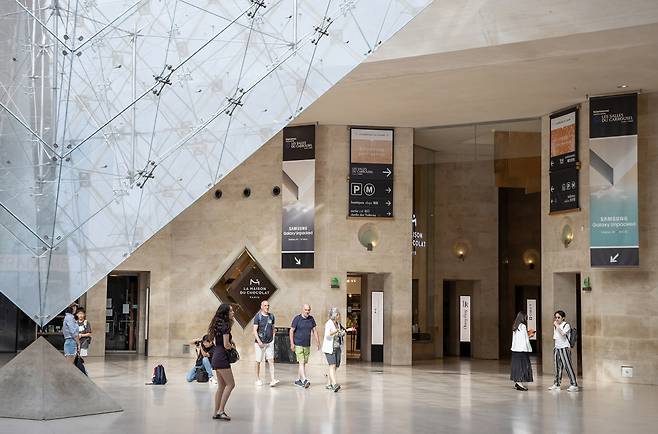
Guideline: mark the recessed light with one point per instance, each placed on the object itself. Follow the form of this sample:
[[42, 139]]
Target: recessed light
[[622, 86]]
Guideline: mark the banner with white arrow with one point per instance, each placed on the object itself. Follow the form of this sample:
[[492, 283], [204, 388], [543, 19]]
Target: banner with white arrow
[[371, 173], [298, 197], [614, 231]]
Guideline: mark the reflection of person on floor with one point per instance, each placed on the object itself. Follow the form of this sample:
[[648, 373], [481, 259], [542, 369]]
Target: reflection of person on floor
[[204, 349], [303, 325], [562, 352], [264, 341], [521, 369], [334, 336], [71, 334]]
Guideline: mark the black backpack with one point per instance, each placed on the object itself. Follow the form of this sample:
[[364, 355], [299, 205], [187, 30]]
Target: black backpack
[[573, 337], [201, 375], [159, 376]]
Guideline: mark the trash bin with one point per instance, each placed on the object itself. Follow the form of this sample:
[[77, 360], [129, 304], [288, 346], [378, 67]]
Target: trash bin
[[282, 353]]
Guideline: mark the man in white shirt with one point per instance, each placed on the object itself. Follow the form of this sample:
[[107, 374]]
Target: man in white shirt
[[562, 352]]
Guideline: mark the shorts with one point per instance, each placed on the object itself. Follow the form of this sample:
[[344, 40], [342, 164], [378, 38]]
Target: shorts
[[334, 358], [302, 353], [70, 347], [83, 352], [267, 352]]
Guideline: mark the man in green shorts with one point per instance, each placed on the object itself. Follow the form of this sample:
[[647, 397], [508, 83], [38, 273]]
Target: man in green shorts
[[302, 327]]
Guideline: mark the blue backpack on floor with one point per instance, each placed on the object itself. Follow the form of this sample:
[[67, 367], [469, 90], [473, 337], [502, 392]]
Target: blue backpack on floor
[[159, 376]]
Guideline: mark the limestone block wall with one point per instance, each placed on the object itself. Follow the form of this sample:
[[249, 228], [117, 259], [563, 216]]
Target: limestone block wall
[[187, 256], [620, 314]]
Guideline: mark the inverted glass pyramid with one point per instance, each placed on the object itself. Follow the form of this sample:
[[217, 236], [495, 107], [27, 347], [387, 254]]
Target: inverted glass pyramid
[[115, 115]]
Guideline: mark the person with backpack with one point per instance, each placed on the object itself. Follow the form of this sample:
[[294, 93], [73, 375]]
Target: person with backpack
[[202, 368], [264, 341], [224, 354], [562, 332], [521, 369]]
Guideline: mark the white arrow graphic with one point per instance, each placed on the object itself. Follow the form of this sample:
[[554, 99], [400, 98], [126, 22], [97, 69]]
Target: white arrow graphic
[[388, 202], [387, 172], [388, 213], [298, 261], [613, 259], [388, 189]]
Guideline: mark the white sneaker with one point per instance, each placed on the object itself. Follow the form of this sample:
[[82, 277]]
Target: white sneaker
[[554, 387], [572, 389], [212, 381], [259, 382], [274, 383]]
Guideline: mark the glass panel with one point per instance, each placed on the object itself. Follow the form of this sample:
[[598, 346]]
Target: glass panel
[[465, 179], [120, 114]]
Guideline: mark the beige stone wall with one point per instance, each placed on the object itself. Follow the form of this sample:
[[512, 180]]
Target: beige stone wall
[[467, 208], [189, 255], [620, 314]]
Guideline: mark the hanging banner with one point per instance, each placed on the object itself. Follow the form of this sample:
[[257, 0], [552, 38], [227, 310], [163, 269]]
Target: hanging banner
[[371, 173], [614, 235], [464, 318], [531, 309], [298, 197], [564, 139]]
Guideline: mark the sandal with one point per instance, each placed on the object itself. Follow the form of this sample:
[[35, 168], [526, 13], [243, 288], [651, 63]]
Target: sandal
[[221, 416]]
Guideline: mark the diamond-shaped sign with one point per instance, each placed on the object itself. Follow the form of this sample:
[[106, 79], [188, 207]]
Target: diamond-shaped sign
[[244, 285]]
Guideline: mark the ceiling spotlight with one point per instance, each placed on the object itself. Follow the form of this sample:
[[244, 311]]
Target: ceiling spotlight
[[276, 190], [218, 194], [622, 86], [246, 192]]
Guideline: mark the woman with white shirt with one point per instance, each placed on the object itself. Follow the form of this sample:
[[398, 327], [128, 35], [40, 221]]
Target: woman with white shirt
[[521, 370], [334, 336], [562, 352]]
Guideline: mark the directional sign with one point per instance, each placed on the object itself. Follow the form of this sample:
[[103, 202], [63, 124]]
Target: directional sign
[[564, 190], [371, 173]]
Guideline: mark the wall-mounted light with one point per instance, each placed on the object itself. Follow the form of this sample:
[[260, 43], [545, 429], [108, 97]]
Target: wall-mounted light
[[567, 235], [461, 249], [531, 258], [369, 236]]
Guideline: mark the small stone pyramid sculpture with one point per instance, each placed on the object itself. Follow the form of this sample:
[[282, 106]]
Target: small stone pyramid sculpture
[[40, 384]]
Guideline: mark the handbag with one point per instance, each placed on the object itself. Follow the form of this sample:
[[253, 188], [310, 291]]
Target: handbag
[[232, 355]]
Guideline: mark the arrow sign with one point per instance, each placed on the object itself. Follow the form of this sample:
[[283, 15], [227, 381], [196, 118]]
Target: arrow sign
[[388, 189], [388, 202], [613, 259], [298, 261], [387, 172]]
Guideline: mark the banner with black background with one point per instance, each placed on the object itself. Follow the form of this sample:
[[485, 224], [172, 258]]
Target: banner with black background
[[614, 234], [298, 197], [564, 186]]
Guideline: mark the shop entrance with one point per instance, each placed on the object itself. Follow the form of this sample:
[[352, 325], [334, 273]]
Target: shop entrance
[[123, 313], [366, 312]]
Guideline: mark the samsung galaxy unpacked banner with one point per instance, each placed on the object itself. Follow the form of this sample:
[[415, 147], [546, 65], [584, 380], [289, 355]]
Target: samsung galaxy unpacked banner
[[298, 196], [614, 234]]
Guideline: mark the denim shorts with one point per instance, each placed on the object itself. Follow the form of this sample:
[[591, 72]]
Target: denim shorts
[[70, 347]]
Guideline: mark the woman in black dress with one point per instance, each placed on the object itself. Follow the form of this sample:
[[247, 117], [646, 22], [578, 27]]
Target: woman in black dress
[[220, 331], [521, 369]]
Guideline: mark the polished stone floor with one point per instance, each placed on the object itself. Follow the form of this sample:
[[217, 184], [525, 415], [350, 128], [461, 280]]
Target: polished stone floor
[[449, 396]]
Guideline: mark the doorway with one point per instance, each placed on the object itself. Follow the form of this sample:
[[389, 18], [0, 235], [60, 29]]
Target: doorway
[[353, 317], [122, 312], [457, 318], [567, 297]]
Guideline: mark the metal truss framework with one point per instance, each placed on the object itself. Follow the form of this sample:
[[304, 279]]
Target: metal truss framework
[[115, 115]]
